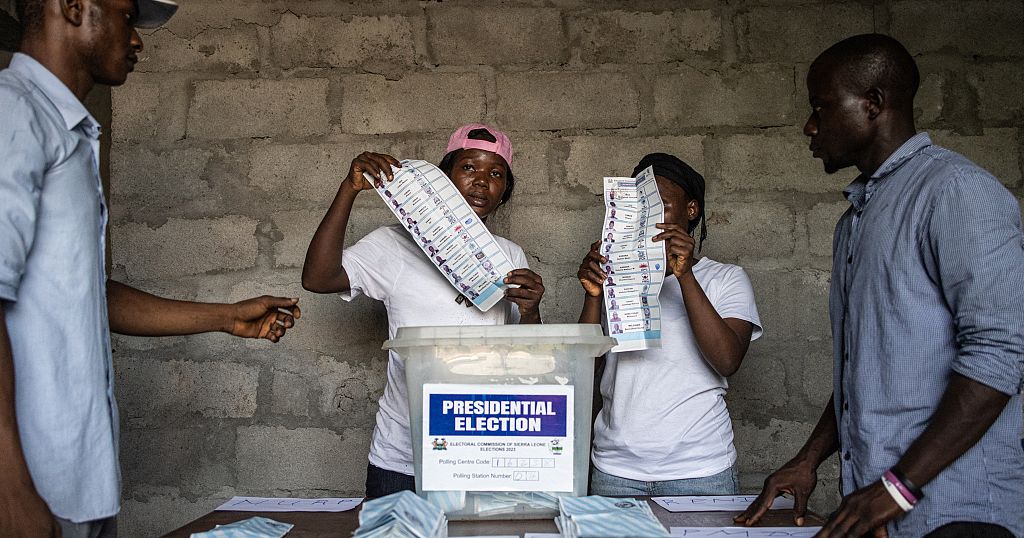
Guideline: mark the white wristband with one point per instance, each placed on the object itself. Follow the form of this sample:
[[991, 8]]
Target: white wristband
[[903, 503]]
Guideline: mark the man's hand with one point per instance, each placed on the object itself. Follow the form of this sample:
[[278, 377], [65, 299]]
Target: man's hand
[[377, 165], [796, 478], [527, 296], [590, 274], [864, 511], [265, 317], [23, 513], [679, 247]]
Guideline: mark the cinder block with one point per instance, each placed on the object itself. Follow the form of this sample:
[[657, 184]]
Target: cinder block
[[184, 247], [258, 108], [929, 100], [272, 457], [198, 17], [298, 227], [777, 160], [555, 235], [290, 394], [779, 34], [748, 231], [348, 330], [228, 50], [514, 35], [417, 102], [997, 150], [563, 300], [755, 95], [554, 100], [591, 158], [631, 37], [145, 181], [758, 381], [999, 95], [987, 28], [312, 172], [821, 226], [765, 447], [349, 392], [333, 42], [157, 514], [152, 392], [793, 304], [151, 108], [196, 460]]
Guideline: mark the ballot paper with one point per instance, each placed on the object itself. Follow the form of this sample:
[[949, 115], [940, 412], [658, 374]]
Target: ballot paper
[[599, 517], [636, 265], [745, 532], [716, 503], [447, 230], [285, 504]]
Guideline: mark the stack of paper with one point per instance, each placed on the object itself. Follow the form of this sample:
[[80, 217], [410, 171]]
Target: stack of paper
[[401, 514], [607, 517]]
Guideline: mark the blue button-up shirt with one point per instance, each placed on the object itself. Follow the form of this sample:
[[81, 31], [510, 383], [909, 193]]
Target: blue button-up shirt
[[53, 288], [927, 280]]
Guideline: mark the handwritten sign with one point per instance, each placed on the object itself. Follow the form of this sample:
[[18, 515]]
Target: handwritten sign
[[716, 503], [278, 504], [745, 532]]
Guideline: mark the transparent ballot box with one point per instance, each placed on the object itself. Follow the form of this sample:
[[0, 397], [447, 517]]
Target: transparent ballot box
[[500, 415]]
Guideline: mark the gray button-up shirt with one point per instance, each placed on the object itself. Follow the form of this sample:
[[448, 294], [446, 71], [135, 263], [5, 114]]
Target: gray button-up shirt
[[53, 288], [927, 280]]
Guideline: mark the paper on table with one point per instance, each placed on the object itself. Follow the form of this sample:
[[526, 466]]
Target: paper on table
[[745, 532], [447, 230], [636, 264], [716, 503], [284, 504]]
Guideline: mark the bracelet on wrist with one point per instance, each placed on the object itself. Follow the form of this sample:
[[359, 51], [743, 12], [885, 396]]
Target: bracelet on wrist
[[896, 495], [902, 480]]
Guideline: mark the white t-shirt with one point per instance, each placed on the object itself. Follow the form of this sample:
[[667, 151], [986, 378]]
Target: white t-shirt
[[664, 414], [387, 265]]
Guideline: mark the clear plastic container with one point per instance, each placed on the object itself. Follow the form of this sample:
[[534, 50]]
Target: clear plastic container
[[503, 357]]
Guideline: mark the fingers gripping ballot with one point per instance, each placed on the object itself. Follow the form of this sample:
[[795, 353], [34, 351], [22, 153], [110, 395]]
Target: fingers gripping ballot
[[590, 274], [376, 165], [679, 247], [529, 290]]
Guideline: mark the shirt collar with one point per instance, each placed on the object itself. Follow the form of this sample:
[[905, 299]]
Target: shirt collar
[[859, 191], [70, 108]]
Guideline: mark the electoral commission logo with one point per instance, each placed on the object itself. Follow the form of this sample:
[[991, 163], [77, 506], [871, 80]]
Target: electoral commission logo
[[502, 415]]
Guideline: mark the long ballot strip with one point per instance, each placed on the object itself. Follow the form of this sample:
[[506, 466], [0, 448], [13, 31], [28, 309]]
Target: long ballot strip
[[636, 264], [429, 206]]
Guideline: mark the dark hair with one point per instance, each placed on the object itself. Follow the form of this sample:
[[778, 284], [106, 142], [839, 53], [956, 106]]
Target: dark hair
[[873, 60], [448, 162], [30, 14]]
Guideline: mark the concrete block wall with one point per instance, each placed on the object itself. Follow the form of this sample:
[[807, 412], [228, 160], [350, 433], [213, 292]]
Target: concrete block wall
[[231, 139]]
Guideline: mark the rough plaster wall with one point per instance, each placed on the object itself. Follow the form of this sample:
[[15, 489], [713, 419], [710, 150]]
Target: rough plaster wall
[[230, 141]]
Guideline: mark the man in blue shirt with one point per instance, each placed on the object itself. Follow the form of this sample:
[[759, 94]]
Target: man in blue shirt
[[58, 419], [927, 309]]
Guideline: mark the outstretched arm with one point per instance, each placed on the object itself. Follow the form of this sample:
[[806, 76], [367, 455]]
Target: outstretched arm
[[322, 271], [138, 313]]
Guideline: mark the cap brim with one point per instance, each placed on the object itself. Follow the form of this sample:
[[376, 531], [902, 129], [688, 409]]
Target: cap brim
[[154, 13]]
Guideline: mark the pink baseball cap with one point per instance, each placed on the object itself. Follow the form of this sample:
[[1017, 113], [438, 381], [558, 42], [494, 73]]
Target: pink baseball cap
[[460, 140]]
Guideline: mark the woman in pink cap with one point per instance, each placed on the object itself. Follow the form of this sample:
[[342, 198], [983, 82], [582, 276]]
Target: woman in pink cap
[[388, 266]]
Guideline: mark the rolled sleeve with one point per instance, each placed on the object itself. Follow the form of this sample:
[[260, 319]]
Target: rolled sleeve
[[978, 248], [21, 179]]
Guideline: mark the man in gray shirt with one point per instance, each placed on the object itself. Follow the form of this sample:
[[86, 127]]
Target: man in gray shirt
[[58, 419], [927, 310]]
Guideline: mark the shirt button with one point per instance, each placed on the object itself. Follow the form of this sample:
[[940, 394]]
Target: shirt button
[[846, 456], [846, 406], [849, 259]]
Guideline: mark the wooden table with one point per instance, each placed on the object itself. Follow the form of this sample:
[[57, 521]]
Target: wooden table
[[323, 524]]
